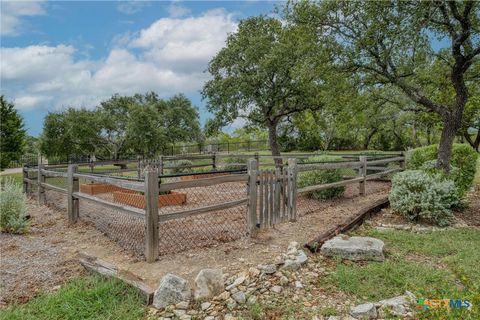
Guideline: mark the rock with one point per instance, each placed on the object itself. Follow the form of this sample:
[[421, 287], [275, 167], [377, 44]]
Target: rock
[[209, 318], [182, 305], [223, 296], [180, 313], [238, 281], [239, 297], [364, 311], [172, 290], [208, 283], [354, 248], [253, 272], [228, 316], [292, 247], [298, 285], [294, 262], [276, 289], [398, 306], [269, 269], [251, 300], [283, 280], [205, 305]]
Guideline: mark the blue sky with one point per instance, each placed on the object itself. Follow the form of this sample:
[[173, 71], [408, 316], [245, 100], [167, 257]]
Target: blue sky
[[68, 53]]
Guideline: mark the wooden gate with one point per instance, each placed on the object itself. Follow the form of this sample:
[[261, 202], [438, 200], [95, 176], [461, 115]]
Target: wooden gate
[[272, 197]]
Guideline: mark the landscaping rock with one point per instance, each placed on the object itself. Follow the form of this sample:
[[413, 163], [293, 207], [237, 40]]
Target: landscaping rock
[[205, 305], [295, 261], [364, 311], [208, 283], [397, 306], [269, 269], [354, 248], [276, 289], [239, 297], [172, 290]]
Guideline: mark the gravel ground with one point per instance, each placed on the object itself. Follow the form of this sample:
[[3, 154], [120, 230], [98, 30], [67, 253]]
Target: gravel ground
[[45, 257]]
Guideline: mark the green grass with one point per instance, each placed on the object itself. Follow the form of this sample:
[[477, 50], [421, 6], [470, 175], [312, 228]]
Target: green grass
[[84, 298], [435, 265], [17, 177]]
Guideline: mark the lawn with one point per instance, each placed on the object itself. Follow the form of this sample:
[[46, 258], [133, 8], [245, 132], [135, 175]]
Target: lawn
[[85, 298]]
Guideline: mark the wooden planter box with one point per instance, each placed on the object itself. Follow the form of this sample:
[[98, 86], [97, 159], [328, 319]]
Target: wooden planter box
[[97, 188], [137, 200], [202, 176]]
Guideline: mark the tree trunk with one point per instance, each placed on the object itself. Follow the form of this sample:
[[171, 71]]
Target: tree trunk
[[369, 138], [273, 142], [450, 127], [473, 143]]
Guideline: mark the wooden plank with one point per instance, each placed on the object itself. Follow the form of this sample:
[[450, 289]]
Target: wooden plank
[[315, 244], [278, 185], [363, 174], [260, 198], [329, 166], [328, 185], [292, 178], [135, 212], [203, 182], [191, 166], [151, 215], [72, 186], [50, 173], [123, 183], [52, 187], [388, 160], [197, 211], [252, 195], [271, 197], [378, 168], [40, 179], [108, 270]]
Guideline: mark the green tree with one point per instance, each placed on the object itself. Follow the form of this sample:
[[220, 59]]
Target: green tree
[[12, 133], [392, 43], [266, 73]]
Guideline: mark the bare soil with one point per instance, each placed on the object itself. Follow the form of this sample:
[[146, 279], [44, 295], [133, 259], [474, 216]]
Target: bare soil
[[46, 256]]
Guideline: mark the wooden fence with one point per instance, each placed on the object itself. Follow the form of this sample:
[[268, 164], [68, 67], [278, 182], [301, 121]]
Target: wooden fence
[[270, 198]]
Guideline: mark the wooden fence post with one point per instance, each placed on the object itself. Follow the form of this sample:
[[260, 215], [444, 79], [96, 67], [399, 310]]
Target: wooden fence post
[[151, 214], [73, 186], [292, 189], [252, 197], [403, 163], [40, 180], [214, 161], [25, 176], [363, 173], [160, 165]]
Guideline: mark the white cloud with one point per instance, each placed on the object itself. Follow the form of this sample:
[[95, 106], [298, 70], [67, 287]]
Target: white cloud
[[176, 11], [132, 7], [13, 12], [168, 57]]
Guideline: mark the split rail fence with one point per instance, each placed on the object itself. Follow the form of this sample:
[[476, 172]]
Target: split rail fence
[[152, 213]]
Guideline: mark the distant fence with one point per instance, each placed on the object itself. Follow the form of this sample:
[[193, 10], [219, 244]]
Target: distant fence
[[151, 212]]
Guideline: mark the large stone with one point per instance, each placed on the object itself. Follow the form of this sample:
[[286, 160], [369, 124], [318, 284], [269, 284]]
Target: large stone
[[354, 248], [398, 306], [294, 262], [172, 290], [208, 283], [364, 311], [239, 297]]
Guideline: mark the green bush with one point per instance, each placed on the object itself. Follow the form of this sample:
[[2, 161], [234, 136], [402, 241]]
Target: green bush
[[13, 207], [463, 164], [316, 177], [182, 166], [417, 194], [235, 163]]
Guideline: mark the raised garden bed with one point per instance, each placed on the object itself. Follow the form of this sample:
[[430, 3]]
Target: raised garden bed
[[203, 176], [137, 200], [97, 188]]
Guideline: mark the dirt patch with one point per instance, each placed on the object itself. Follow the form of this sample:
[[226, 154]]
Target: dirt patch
[[471, 215], [46, 256]]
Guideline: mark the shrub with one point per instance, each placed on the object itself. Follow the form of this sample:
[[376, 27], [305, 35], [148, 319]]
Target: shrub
[[13, 207], [234, 163], [182, 166], [463, 163], [417, 194], [316, 177]]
